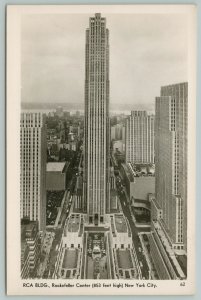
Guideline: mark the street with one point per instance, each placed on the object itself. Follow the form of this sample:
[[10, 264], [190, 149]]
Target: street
[[136, 240]]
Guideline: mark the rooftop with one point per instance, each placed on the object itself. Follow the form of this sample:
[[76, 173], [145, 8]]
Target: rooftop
[[70, 259], [124, 259], [28, 230], [55, 166], [120, 223], [73, 223], [143, 187]]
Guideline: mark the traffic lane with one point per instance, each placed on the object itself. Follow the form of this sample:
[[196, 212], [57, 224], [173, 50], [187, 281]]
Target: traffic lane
[[137, 244], [127, 213], [66, 211], [136, 240]]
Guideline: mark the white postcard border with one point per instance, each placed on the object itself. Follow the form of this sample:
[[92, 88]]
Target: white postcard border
[[14, 282]]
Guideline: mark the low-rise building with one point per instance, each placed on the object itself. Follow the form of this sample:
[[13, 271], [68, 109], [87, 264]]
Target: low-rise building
[[69, 259], [128, 177], [56, 176], [90, 252], [142, 187], [124, 256], [118, 145], [30, 248], [138, 186], [25, 259], [121, 233]]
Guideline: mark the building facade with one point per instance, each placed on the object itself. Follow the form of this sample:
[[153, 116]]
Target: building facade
[[140, 138], [33, 168], [96, 177], [30, 248], [171, 160], [117, 131], [56, 176]]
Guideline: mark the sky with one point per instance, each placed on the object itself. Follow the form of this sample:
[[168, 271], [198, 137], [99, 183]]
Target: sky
[[147, 51]]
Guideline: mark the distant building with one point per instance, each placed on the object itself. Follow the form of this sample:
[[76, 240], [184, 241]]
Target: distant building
[[66, 114], [77, 113], [30, 248], [59, 111], [56, 176], [33, 150], [124, 134], [118, 146], [171, 160], [73, 146], [140, 138], [117, 131], [112, 133]]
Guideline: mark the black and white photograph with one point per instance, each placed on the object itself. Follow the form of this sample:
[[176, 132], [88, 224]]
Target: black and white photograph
[[101, 149]]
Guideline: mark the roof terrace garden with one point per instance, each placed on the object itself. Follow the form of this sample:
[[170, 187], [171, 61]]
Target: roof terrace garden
[[73, 224], [120, 223], [124, 259], [70, 259]]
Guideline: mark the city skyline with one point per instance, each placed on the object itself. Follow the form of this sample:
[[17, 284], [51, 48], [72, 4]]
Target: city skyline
[[142, 47], [101, 191]]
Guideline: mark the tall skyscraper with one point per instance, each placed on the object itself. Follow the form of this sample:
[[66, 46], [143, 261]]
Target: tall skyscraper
[[140, 138], [117, 131], [96, 132], [171, 160], [33, 168]]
